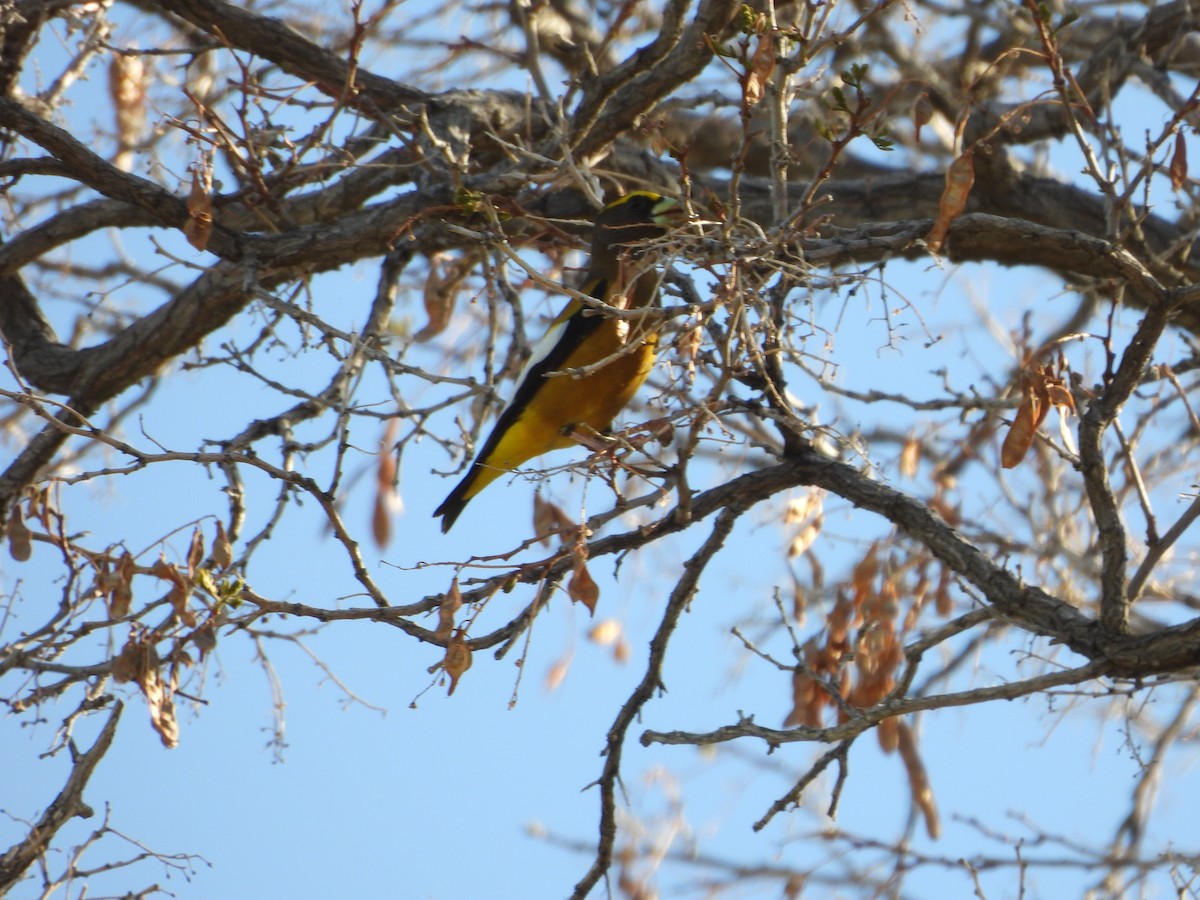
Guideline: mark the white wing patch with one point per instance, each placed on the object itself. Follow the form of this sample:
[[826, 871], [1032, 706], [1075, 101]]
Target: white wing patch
[[546, 343]]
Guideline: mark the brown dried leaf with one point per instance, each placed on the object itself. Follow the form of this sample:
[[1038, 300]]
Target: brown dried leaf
[[178, 598], [802, 692], [222, 549], [1022, 431], [39, 508], [549, 520], [205, 638], [605, 632], [960, 178], [582, 588], [195, 554], [20, 538], [922, 112], [762, 66], [121, 598], [130, 662], [801, 509], [805, 539], [1179, 165], [181, 589], [838, 624], [557, 673], [127, 88], [888, 734], [381, 519], [918, 780], [441, 290], [198, 228], [387, 501], [910, 456], [809, 511], [943, 603], [864, 575], [799, 602], [457, 660], [621, 651], [688, 347], [451, 604], [1059, 396], [160, 699]]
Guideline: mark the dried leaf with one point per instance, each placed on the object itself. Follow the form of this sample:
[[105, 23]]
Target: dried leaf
[[160, 699], [762, 66], [181, 589], [387, 501], [549, 520], [688, 347], [801, 695], [1041, 390], [1022, 431], [941, 597], [139, 662], [39, 508], [457, 660], [910, 456], [205, 637], [195, 555], [960, 178], [918, 780], [557, 673], [222, 549], [863, 577], [127, 88], [121, 597], [888, 734], [198, 227], [809, 511], [20, 539], [801, 509], [1179, 166], [582, 588], [130, 661], [804, 540], [922, 112], [1059, 396], [799, 602], [441, 290], [605, 632], [450, 604]]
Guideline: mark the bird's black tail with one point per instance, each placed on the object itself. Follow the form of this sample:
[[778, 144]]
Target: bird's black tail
[[454, 504]]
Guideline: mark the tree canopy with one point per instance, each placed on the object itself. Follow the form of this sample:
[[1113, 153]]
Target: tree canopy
[[917, 436]]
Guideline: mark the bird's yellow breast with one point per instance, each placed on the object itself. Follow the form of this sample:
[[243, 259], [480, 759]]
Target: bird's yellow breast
[[565, 402]]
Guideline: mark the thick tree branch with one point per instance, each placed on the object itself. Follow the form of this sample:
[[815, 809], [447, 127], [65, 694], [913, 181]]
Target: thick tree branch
[[66, 806], [677, 55], [274, 40]]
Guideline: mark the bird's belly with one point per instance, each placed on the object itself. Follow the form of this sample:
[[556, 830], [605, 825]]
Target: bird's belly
[[564, 402]]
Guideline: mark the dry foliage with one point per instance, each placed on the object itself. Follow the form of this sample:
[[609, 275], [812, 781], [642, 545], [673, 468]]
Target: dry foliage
[[266, 270]]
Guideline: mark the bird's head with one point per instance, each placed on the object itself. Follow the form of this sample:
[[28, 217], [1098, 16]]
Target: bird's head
[[638, 216]]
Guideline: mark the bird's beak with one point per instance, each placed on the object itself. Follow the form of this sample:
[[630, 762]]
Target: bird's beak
[[667, 213]]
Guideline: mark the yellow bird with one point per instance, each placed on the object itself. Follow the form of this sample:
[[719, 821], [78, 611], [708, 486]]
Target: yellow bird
[[547, 407]]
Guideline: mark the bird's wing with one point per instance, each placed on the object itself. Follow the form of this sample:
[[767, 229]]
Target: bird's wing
[[565, 334]]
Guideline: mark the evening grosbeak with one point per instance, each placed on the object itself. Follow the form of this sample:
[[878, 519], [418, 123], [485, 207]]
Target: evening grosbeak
[[546, 408]]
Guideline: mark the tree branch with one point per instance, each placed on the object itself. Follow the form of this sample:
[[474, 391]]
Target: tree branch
[[66, 806]]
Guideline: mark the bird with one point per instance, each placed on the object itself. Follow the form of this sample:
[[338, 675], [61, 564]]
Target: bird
[[549, 405]]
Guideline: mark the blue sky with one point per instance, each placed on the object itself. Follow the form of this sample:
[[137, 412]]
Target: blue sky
[[455, 796]]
